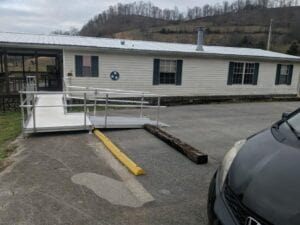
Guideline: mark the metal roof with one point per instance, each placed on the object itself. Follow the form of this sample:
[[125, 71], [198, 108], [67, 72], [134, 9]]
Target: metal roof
[[64, 41]]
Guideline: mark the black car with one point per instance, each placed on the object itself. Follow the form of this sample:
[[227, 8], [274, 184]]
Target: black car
[[258, 182]]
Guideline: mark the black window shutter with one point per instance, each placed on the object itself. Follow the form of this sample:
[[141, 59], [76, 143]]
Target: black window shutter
[[95, 66], [179, 72], [256, 71], [230, 73], [278, 74], [156, 64], [289, 81], [78, 66]]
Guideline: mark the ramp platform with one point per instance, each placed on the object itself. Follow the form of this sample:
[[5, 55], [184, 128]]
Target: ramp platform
[[50, 116], [46, 112]]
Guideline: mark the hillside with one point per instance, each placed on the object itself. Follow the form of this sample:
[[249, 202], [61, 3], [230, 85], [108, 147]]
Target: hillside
[[119, 23], [246, 28]]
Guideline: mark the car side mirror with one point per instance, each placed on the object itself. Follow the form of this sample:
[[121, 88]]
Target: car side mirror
[[285, 115]]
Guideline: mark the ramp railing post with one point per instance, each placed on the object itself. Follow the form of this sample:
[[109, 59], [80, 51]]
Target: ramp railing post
[[106, 104], [33, 113], [28, 97], [95, 103], [157, 112], [142, 105], [22, 112], [64, 97], [84, 107]]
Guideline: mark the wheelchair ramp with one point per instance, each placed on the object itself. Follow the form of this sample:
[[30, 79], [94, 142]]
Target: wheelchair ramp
[[50, 116], [47, 111]]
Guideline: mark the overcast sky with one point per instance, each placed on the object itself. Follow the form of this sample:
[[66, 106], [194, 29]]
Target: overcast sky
[[44, 16]]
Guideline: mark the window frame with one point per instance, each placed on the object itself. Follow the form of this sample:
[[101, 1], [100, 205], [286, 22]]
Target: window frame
[[167, 72], [83, 75], [244, 65], [288, 68]]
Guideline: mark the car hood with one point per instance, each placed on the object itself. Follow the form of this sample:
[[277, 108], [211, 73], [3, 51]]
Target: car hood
[[265, 177]]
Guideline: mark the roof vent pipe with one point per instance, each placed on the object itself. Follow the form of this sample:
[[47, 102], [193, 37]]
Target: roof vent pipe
[[200, 39]]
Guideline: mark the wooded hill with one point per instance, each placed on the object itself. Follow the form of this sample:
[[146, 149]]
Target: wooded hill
[[240, 23], [243, 29]]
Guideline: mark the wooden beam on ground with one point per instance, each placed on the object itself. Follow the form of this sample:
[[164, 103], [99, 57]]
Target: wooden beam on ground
[[189, 151]]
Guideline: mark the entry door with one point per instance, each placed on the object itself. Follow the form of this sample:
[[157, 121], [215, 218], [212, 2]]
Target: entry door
[[48, 75]]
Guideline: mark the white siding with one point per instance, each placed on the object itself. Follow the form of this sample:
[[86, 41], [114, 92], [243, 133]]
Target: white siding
[[200, 77]]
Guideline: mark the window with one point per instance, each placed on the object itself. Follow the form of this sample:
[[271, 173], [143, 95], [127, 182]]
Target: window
[[86, 66], [167, 71], [284, 74], [238, 70], [249, 73], [14, 63], [29, 64], [243, 73], [46, 64]]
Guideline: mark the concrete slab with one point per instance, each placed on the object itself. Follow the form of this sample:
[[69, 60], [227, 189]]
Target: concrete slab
[[38, 187]]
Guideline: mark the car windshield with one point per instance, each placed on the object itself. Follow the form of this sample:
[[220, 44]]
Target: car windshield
[[294, 122]]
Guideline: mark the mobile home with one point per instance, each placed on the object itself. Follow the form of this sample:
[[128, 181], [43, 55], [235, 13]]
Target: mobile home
[[169, 69]]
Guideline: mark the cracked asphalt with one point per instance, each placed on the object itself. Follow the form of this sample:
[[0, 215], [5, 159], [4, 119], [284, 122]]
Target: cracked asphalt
[[37, 189]]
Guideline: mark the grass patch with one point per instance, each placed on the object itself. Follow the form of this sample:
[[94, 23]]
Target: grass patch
[[10, 127]]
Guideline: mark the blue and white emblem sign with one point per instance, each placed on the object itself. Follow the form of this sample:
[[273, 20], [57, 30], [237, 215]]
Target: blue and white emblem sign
[[114, 75]]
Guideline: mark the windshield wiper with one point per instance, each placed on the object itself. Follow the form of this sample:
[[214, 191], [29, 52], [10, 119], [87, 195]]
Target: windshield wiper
[[292, 129]]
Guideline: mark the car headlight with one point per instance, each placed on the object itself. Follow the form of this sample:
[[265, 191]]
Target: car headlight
[[227, 161]]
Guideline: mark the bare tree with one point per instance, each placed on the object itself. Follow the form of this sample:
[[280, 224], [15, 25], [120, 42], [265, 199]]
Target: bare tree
[[147, 9]]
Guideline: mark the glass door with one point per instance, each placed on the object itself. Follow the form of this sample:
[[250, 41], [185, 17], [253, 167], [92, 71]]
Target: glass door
[[48, 73]]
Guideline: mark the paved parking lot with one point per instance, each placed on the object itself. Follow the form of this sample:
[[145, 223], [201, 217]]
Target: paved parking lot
[[71, 178]]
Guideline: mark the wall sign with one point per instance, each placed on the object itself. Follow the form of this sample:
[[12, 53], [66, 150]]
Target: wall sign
[[114, 75]]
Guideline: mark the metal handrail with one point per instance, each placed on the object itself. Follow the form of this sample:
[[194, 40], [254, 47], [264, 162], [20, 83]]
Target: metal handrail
[[88, 94], [91, 105], [131, 94], [109, 89], [110, 100]]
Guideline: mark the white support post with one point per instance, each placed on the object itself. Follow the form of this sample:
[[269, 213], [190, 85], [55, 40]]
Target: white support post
[[95, 103], [33, 114], [28, 96], [142, 105], [106, 113], [22, 112], [157, 112], [84, 106]]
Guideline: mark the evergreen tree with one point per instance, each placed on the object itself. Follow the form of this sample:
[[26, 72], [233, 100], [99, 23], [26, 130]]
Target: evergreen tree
[[293, 50]]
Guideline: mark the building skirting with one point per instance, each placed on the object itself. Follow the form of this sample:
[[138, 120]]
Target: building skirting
[[11, 102], [186, 100]]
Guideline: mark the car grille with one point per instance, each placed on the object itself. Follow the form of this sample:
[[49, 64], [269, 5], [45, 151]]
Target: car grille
[[240, 212]]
